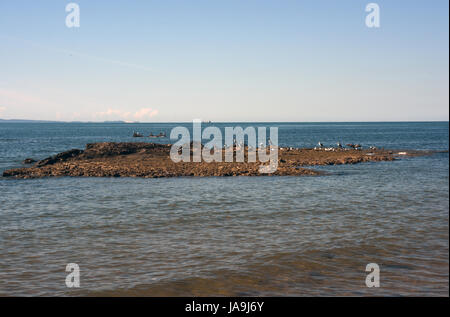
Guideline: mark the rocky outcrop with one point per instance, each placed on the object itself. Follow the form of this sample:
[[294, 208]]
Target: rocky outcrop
[[140, 159]]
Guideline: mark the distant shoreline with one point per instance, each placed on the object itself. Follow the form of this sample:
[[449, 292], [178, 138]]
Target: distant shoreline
[[49, 121], [213, 122]]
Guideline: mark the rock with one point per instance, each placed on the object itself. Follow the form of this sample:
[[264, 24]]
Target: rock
[[28, 161], [61, 157], [142, 159]]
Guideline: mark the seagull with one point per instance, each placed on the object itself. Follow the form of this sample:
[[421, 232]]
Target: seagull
[[272, 147], [339, 145], [320, 144]]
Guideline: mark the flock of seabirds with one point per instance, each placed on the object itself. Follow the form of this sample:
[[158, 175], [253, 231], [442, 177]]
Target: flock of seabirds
[[319, 146]]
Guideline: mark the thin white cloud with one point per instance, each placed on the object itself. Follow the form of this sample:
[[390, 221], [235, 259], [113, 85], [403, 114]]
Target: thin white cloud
[[7, 95], [101, 59], [145, 113], [20, 99], [78, 54], [116, 114]]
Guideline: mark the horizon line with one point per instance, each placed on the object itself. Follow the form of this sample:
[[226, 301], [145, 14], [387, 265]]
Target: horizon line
[[209, 122]]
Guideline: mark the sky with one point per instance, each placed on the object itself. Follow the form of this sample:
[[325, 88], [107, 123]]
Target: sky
[[224, 60]]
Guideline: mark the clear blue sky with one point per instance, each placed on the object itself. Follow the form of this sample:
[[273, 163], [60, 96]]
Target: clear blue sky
[[224, 60]]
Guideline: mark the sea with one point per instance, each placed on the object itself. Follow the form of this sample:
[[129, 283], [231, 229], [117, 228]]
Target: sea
[[229, 236]]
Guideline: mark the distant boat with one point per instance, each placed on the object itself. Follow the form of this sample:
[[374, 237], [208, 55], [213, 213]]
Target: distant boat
[[137, 135], [160, 135]]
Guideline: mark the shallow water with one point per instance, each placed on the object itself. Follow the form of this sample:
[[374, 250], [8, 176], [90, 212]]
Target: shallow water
[[229, 236]]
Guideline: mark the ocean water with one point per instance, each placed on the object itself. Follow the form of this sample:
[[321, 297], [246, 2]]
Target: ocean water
[[252, 236]]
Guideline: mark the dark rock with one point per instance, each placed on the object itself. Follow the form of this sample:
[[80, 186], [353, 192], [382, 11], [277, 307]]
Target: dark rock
[[109, 149], [28, 161], [64, 156]]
